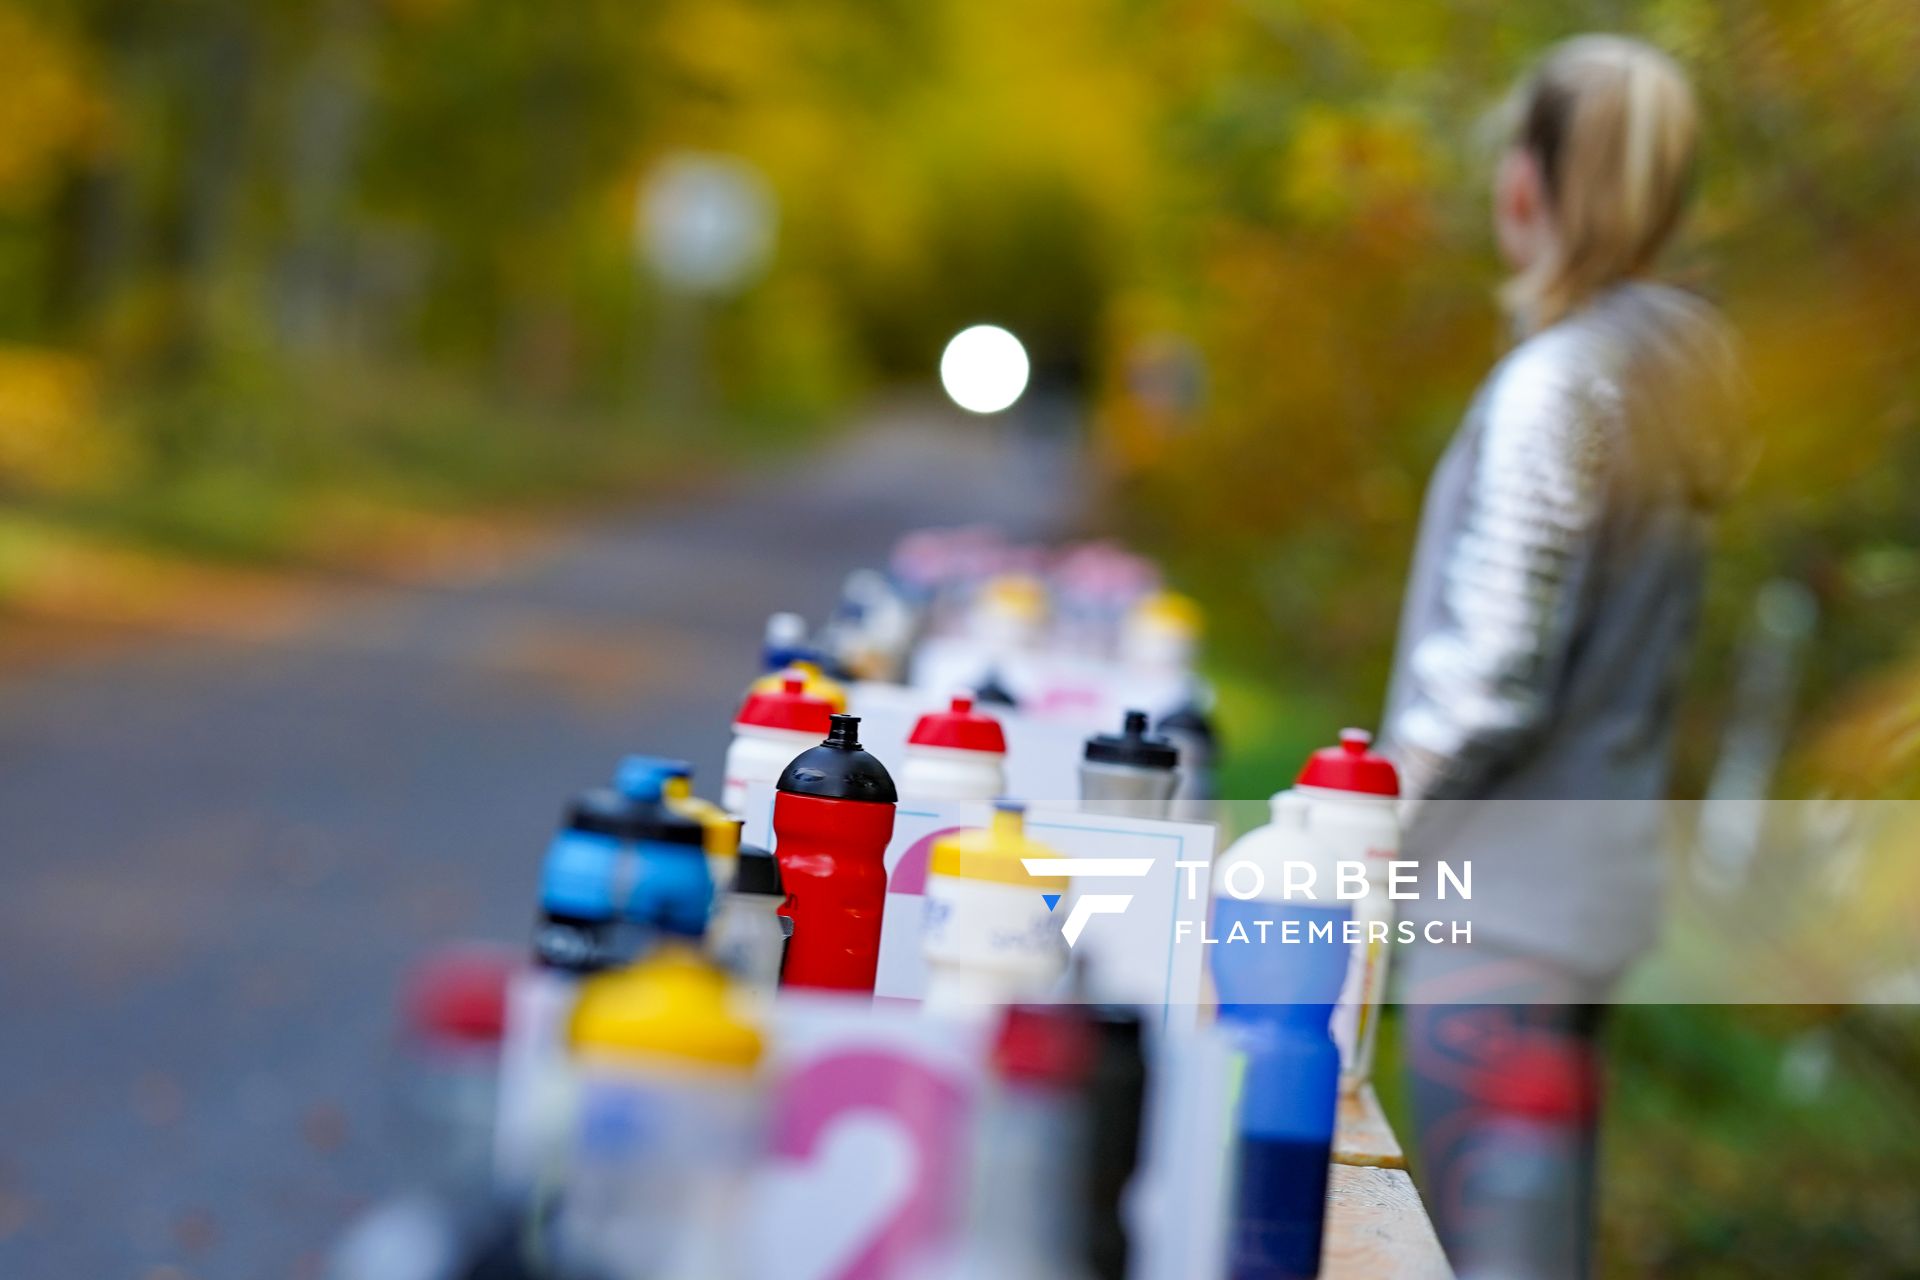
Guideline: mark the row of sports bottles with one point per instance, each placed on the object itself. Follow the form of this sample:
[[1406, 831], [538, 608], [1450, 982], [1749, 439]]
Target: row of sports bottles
[[630, 1102], [1079, 600]]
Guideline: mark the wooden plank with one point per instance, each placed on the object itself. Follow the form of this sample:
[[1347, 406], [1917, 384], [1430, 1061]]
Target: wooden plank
[[1362, 1135], [1377, 1229]]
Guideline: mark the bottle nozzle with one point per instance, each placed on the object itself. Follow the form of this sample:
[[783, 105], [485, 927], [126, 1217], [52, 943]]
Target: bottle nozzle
[[844, 732], [1135, 725]]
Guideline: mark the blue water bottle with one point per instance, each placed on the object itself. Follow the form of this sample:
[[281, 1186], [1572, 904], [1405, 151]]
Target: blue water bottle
[[671, 892], [1278, 966], [581, 886]]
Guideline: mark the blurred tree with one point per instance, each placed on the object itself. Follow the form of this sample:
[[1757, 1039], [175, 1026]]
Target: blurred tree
[[1255, 229]]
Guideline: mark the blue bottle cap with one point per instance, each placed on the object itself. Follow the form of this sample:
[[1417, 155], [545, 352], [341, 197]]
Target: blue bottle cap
[[643, 777], [579, 876]]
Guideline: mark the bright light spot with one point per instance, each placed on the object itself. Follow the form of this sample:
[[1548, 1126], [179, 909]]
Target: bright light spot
[[984, 368]]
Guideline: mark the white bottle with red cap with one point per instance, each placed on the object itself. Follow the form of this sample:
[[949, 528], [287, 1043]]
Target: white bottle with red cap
[[774, 726], [955, 754], [1342, 809], [1357, 805]]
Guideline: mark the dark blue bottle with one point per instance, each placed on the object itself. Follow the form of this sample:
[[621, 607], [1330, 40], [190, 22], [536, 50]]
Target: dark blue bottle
[[1277, 991]]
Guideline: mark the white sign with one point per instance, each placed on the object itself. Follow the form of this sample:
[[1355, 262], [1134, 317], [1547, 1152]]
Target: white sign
[[866, 1168], [1138, 879]]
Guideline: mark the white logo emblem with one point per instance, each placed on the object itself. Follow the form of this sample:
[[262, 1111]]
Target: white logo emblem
[[1089, 905]]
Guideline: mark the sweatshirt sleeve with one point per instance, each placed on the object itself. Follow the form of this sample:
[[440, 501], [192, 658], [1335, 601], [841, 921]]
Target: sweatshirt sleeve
[[1481, 680]]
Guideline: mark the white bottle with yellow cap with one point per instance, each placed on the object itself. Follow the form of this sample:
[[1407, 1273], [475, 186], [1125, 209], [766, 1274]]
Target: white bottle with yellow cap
[[992, 926], [668, 1123]]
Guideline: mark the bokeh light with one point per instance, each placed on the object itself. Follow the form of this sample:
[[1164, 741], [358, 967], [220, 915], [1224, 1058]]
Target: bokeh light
[[984, 368]]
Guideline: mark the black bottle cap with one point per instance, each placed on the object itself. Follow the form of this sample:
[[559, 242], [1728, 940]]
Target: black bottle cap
[[757, 872], [661, 826], [1133, 745], [606, 812], [993, 693], [838, 769], [601, 812], [1190, 720]]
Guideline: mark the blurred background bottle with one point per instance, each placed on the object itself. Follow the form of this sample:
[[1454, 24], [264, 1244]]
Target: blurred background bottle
[[748, 937], [1132, 773]]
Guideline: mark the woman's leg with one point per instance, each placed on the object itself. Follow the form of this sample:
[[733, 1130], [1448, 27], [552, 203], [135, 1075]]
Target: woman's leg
[[1504, 1075]]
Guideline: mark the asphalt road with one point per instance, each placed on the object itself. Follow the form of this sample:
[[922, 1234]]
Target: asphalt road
[[221, 852]]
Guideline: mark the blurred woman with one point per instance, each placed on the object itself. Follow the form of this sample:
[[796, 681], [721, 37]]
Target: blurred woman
[[1543, 647]]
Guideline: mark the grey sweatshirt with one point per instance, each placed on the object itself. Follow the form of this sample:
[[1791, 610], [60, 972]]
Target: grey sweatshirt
[[1548, 619]]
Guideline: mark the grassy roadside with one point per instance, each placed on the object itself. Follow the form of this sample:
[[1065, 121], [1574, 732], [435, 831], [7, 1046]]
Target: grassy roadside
[[113, 503]]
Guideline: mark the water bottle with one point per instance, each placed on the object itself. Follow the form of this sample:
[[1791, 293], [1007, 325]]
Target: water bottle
[[992, 929], [773, 726], [1348, 811], [641, 777], [955, 754], [748, 937], [1027, 1196], [833, 815], [667, 1124], [1132, 772], [1278, 966]]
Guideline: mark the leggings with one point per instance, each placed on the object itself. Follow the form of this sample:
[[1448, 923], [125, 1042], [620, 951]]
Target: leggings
[[1504, 1077]]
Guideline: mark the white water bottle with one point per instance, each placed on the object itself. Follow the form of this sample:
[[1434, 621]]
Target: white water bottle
[[774, 726], [955, 754], [1344, 808]]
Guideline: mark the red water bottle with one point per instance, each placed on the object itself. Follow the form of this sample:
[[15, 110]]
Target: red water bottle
[[832, 818]]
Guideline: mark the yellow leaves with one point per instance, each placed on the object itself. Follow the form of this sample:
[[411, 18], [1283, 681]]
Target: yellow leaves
[[1869, 744], [51, 439], [48, 111], [1372, 170], [725, 46]]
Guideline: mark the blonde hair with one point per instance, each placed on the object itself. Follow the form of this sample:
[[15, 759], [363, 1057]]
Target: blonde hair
[[1612, 124]]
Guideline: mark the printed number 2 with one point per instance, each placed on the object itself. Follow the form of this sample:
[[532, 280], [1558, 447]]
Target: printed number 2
[[925, 1106]]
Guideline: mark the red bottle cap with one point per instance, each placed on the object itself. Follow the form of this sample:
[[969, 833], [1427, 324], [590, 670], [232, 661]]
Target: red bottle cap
[[789, 707], [959, 728], [1050, 1045], [1540, 1077], [459, 994], [1351, 767]]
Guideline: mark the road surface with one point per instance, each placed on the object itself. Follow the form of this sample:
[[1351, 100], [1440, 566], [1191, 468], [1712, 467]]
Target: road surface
[[221, 853]]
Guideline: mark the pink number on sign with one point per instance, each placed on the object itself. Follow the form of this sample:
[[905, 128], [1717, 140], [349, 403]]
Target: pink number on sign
[[910, 873], [928, 1106]]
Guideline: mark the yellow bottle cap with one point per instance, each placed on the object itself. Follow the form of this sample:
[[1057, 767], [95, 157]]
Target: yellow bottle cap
[[720, 834], [1173, 610], [996, 853], [672, 1006], [1020, 595], [817, 684]]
